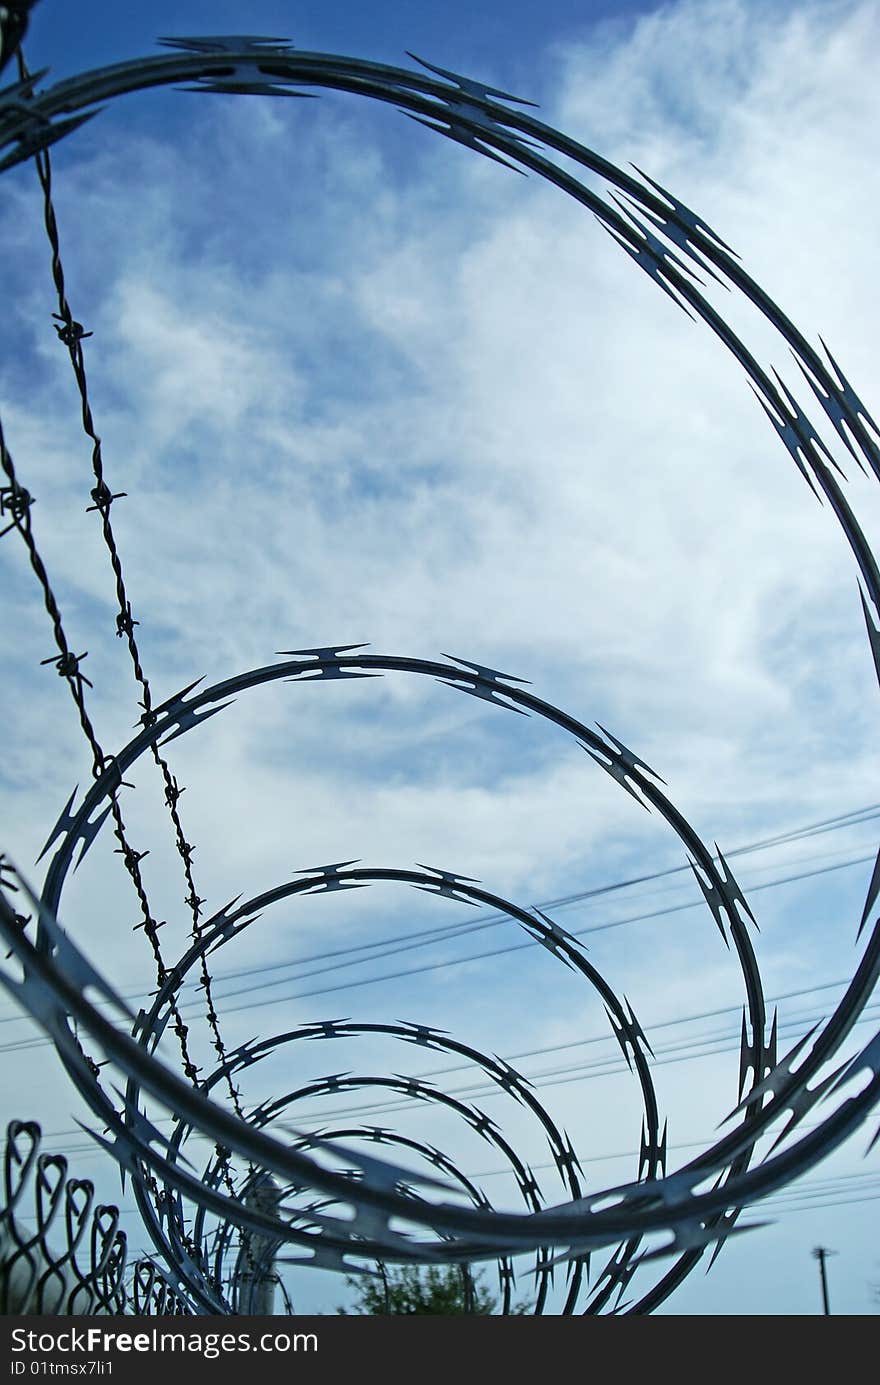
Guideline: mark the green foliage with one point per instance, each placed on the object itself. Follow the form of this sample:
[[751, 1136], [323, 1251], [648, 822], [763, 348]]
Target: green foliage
[[412, 1290]]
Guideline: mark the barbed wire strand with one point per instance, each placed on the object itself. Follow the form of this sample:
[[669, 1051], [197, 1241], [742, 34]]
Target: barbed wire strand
[[72, 334]]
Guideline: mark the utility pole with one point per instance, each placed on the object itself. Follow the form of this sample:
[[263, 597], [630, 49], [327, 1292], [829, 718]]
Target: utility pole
[[821, 1254], [256, 1274]]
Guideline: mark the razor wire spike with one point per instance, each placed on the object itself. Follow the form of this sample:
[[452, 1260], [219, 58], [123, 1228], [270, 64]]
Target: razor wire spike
[[323, 654], [751, 1056], [231, 929], [187, 719], [837, 413], [380, 1173], [172, 703], [620, 1030], [647, 258], [511, 1080], [39, 134], [334, 1080], [797, 435], [846, 389], [585, 1261], [325, 1258], [141, 1023], [528, 1183], [804, 1100], [714, 894], [627, 758], [256, 44], [16, 97], [66, 820], [842, 398], [868, 1058], [565, 1159], [452, 131], [506, 1272], [540, 935], [770, 1055], [328, 660], [143, 1129], [236, 86], [262, 1111], [652, 1149], [422, 1034], [378, 1133], [731, 889], [159, 1025], [89, 831], [775, 1080], [414, 1086], [674, 232], [246, 1054], [635, 1032], [434, 1156], [558, 932], [694, 1235], [121, 1148], [222, 918], [659, 251], [36, 997], [329, 1029], [684, 213], [780, 421], [492, 675], [755, 1056], [469, 85], [484, 1126], [804, 427], [574, 1252], [462, 107], [616, 769], [329, 877], [727, 1219], [446, 884]]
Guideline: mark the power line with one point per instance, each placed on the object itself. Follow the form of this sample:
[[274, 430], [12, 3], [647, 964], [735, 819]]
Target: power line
[[463, 929], [35, 1042], [591, 1039], [601, 1068], [397, 945], [518, 947]]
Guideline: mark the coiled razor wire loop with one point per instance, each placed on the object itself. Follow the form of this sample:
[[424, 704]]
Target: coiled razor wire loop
[[696, 1205], [182, 715], [234, 920]]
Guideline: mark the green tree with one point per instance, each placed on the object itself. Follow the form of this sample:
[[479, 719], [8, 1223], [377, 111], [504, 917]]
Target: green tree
[[450, 1289]]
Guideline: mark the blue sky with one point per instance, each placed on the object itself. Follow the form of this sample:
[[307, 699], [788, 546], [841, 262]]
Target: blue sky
[[361, 385]]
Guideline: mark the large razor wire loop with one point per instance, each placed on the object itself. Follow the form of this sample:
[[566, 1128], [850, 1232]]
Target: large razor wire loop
[[696, 1205]]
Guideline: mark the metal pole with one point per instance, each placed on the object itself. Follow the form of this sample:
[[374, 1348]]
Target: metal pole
[[256, 1296], [821, 1254]]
